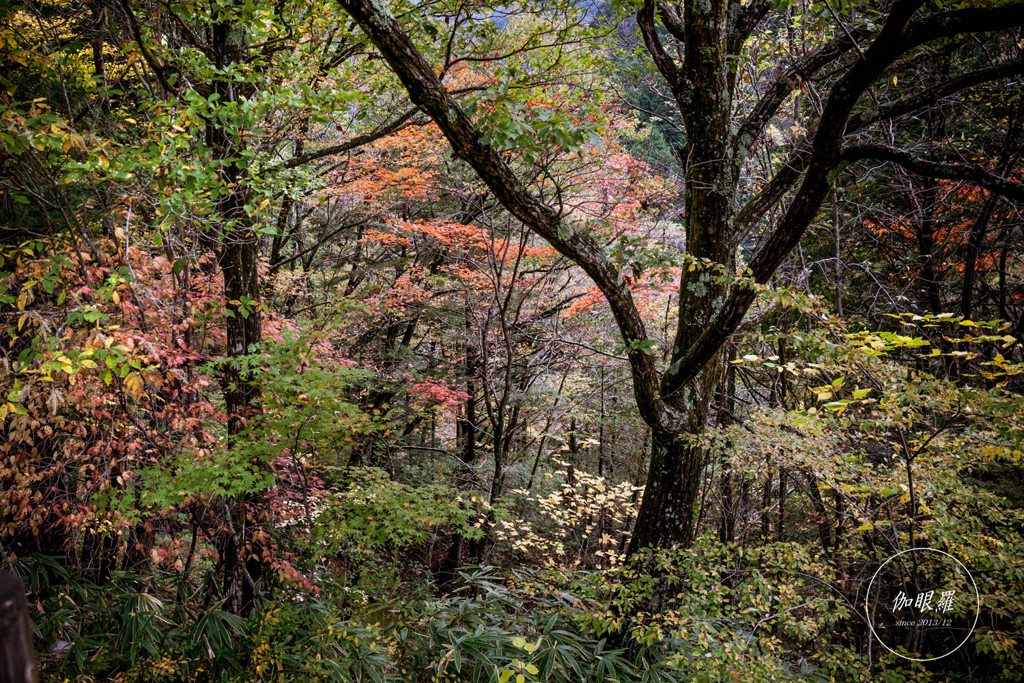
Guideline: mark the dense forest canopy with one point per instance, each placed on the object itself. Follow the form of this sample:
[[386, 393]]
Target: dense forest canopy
[[453, 340]]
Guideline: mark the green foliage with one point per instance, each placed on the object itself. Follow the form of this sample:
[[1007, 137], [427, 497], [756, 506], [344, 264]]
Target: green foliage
[[131, 624], [718, 611], [308, 417], [307, 642], [901, 457], [518, 627], [123, 150], [153, 633], [372, 512], [534, 129], [579, 523]]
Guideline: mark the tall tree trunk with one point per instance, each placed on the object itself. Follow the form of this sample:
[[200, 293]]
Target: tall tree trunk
[[824, 524], [668, 510], [99, 29], [238, 259], [548, 419], [976, 238], [600, 432], [974, 242], [453, 558], [930, 279], [837, 238], [667, 515], [726, 410], [783, 486], [574, 449]]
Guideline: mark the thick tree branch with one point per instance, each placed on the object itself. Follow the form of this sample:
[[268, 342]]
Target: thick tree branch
[[930, 95], [930, 28], [672, 21], [797, 162], [825, 156], [649, 31], [429, 94], [971, 20], [769, 195], [743, 21], [358, 141], [154, 62], [800, 70], [935, 169]]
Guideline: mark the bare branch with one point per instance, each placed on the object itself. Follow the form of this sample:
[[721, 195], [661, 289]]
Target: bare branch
[[154, 62], [358, 141], [800, 70], [930, 95], [935, 169]]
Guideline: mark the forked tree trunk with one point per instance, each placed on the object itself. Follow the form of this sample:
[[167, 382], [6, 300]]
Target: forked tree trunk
[[713, 33]]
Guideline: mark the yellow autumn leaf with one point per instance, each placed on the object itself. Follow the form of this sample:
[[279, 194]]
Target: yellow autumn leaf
[[134, 384]]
